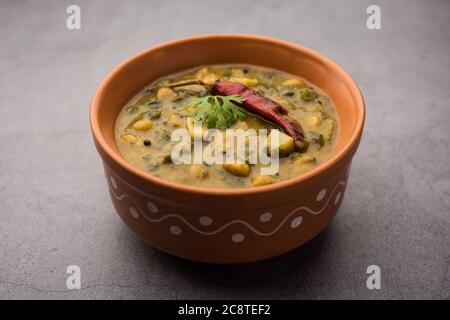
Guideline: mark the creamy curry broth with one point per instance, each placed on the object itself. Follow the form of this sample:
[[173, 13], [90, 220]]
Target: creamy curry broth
[[144, 126]]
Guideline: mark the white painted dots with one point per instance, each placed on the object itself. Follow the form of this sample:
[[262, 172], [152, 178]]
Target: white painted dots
[[134, 213], [338, 197], [205, 221], [265, 217], [296, 222], [152, 207], [321, 195], [237, 237], [113, 182], [334, 197], [175, 230]]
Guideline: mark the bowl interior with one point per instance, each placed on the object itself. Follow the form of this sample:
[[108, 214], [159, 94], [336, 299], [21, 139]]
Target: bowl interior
[[132, 75]]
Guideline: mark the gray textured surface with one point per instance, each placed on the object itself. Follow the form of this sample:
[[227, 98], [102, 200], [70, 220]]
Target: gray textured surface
[[54, 207]]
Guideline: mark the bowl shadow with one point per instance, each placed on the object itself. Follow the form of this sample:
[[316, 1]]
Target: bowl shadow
[[273, 278]]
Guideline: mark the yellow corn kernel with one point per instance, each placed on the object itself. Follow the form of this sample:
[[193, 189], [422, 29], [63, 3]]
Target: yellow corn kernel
[[210, 78], [329, 126], [142, 125], [166, 94], [205, 76], [245, 81], [237, 72], [283, 102], [198, 171], [129, 138], [303, 159], [202, 73], [195, 134], [236, 169], [175, 120], [241, 125], [285, 142], [294, 82], [315, 120], [260, 180]]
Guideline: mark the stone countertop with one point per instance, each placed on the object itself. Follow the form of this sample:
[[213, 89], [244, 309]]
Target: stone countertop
[[55, 210]]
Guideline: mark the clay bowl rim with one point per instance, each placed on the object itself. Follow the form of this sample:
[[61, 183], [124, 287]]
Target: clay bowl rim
[[328, 164]]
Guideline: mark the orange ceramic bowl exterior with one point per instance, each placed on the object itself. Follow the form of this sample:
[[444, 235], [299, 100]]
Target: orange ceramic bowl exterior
[[226, 225]]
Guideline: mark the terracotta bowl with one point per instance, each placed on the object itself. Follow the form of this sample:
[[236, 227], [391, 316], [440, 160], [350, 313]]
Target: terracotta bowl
[[226, 225]]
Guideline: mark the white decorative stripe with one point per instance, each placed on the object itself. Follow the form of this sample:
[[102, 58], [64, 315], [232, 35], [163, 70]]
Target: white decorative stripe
[[250, 227], [148, 195], [310, 211]]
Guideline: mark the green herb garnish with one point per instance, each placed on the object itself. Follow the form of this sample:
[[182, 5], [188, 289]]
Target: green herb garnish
[[315, 137], [308, 94], [219, 112], [167, 159]]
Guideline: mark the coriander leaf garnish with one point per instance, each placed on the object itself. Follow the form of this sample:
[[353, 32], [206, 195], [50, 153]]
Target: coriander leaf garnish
[[219, 112]]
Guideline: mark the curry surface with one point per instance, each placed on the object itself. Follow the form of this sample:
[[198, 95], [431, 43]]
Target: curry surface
[[144, 126]]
